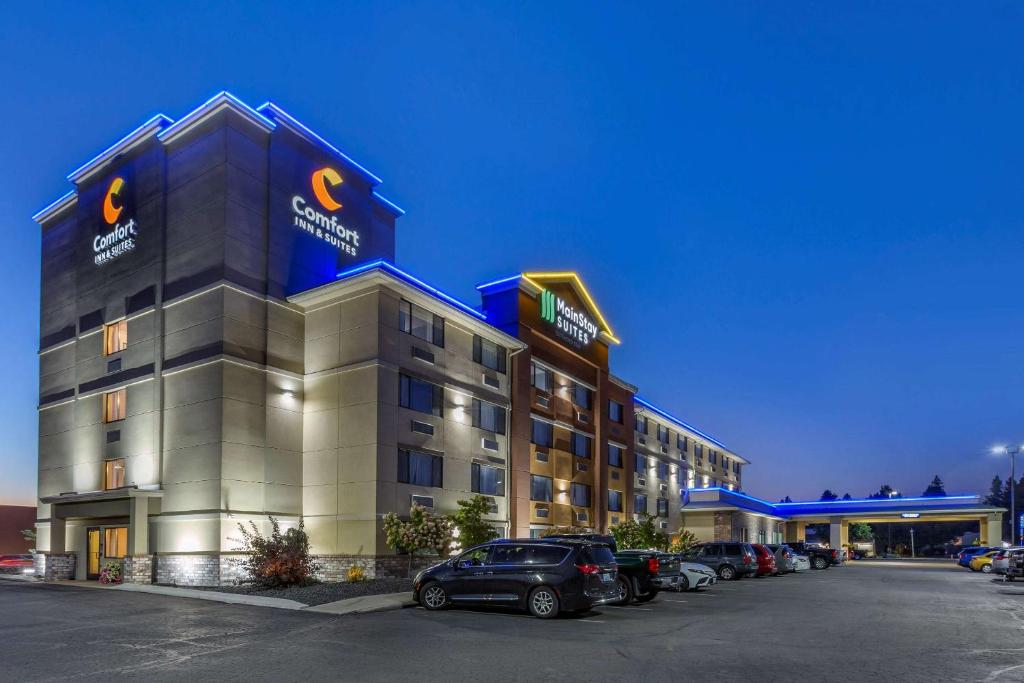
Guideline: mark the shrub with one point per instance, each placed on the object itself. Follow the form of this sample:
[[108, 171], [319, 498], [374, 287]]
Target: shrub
[[563, 530], [422, 531], [111, 572], [468, 519], [683, 542], [356, 574], [640, 534], [281, 559]]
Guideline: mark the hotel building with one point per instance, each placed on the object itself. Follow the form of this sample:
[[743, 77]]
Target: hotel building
[[224, 336]]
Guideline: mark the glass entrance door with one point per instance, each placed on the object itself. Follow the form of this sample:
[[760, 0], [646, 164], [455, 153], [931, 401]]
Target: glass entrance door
[[92, 570]]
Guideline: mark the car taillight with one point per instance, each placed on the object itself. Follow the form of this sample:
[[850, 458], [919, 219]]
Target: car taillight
[[653, 565], [835, 553], [746, 559], [589, 568]]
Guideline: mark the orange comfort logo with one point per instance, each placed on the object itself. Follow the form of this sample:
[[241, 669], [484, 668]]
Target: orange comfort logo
[[111, 212], [320, 180]]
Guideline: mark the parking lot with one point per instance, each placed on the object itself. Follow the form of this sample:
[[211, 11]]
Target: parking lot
[[903, 621]]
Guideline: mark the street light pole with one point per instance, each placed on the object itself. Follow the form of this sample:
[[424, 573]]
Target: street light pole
[[911, 542]]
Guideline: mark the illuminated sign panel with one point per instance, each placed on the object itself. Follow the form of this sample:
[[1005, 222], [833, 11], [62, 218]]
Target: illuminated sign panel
[[570, 322], [119, 239], [325, 226]]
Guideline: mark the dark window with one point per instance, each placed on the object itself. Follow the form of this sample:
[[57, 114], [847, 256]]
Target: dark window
[[698, 450], [488, 416], [614, 455], [510, 554], [488, 480], [580, 494], [540, 488], [663, 507], [641, 424], [711, 550], [663, 434], [421, 323], [682, 442], [546, 554], [712, 456], [641, 464], [614, 501], [615, 411], [542, 378], [543, 433], [489, 354], [581, 396], [662, 471], [640, 503], [581, 445], [422, 469], [419, 395]]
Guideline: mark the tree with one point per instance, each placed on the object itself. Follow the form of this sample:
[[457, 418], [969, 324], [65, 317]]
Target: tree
[[468, 519], [423, 531], [995, 495], [787, 499], [683, 542], [847, 496], [859, 531], [30, 536], [281, 559], [828, 495], [885, 492], [563, 531], [935, 489], [639, 534]]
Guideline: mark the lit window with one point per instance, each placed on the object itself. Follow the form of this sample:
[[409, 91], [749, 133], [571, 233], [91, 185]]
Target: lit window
[[113, 474], [542, 378], [115, 405], [422, 469], [115, 542], [115, 337]]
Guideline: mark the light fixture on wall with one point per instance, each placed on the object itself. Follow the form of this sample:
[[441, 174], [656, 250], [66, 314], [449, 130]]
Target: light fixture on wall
[[288, 393]]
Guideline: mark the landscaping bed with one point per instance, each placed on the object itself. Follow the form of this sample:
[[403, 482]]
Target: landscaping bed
[[320, 593]]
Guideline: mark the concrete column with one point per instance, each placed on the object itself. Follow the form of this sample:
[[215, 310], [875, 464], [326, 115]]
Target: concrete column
[[58, 532], [990, 529], [138, 526], [838, 532], [796, 531]]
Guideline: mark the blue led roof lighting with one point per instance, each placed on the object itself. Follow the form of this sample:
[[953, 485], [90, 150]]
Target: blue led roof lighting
[[210, 107], [390, 204], [648, 404], [155, 123], [55, 205], [495, 283], [392, 269]]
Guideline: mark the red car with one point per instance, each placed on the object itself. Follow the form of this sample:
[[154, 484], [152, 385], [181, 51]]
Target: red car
[[16, 564], [765, 560]]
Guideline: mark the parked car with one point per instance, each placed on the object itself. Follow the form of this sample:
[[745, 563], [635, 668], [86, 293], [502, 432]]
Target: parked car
[[965, 556], [542, 576], [729, 559], [784, 557], [801, 563], [16, 564], [639, 575], [667, 576], [820, 557], [1001, 562], [982, 562], [765, 560], [693, 576]]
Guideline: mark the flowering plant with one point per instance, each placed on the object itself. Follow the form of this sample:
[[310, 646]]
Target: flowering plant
[[423, 531], [111, 573]]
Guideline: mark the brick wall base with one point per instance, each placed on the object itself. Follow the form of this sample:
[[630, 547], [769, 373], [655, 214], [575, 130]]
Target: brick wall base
[[55, 566], [137, 569], [723, 526]]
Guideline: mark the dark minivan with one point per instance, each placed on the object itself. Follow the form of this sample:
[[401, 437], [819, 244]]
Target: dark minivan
[[730, 559], [543, 576]]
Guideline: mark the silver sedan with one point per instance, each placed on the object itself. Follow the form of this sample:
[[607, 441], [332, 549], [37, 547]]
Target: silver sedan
[[801, 563]]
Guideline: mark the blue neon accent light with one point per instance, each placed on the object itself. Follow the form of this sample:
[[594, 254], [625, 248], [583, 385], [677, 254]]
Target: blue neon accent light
[[891, 501], [390, 204], [392, 269], [495, 283], [223, 97], [155, 123], [38, 216], [648, 404]]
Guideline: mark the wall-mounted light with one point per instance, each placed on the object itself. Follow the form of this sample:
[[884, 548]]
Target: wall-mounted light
[[288, 393]]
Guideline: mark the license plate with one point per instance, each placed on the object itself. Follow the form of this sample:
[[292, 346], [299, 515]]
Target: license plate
[[607, 577]]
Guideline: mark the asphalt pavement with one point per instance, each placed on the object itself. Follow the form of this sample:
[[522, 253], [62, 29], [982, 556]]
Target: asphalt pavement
[[867, 621]]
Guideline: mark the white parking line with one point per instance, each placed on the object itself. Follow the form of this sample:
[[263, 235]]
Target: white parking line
[[630, 608], [676, 601]]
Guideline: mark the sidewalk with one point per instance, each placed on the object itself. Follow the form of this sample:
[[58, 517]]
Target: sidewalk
[[364, 604]]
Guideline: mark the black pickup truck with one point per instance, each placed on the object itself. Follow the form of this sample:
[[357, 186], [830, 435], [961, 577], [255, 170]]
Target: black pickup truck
[[820, 556], [642, 573]]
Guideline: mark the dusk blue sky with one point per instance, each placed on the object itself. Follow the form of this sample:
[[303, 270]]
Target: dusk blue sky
[[804, 221]]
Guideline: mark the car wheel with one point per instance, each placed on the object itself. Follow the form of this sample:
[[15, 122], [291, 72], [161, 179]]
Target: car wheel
[[432, 596], [543, 603], [624, 589], [684, 584], [987, 569], [648, 596], [820, 563], [727, 573]]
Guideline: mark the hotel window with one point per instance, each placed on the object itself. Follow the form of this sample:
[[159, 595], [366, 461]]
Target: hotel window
[[698, 450], [615, 411], [581, 396], [662, 471], [115, 542], [487, 480], [488, 416], [663, 434], [614, 501], [489, 354], [421, 396], [542, 433], [712, 456], [614, 455], [581, 445], [115, 337], [736, 467], [540, 488], [641, 424], [113, 474], [115, 405], [663, 507], [682, 442], [421, 469], [640, 464], [542, 378], [421, 323], [640, 504], [580, 495]]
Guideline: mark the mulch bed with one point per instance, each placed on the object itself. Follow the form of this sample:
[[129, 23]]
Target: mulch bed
[[319, 593]]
